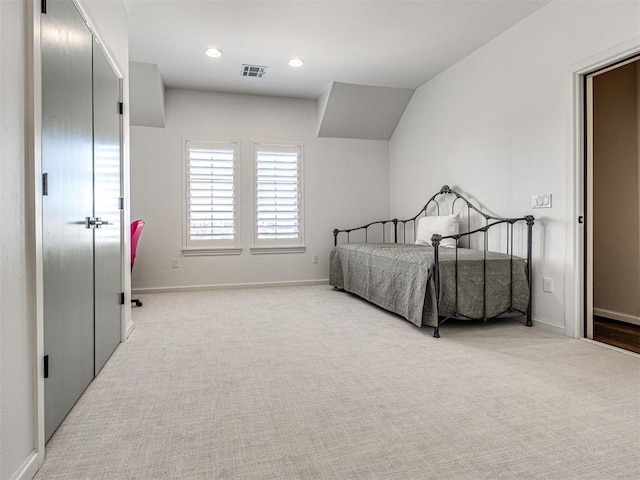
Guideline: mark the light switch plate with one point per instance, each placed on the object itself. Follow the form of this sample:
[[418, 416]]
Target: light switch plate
[[541, 200]]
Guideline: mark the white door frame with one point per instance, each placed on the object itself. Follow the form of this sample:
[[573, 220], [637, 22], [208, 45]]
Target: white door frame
[[581, 304]]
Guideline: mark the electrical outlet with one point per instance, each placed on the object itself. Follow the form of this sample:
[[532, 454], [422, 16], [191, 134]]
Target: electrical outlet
[[175, 263], [314, 259], [547, 284]]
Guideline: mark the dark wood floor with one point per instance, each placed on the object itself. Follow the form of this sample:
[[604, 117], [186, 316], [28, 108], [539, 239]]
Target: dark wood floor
[[619, 334]]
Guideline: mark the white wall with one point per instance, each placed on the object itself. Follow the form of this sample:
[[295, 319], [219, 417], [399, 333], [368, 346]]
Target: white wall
[[147, 95], [499, 125], [17, 314], [345, 183]]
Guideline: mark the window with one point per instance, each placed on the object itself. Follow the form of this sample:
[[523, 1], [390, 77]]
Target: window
[[278, 199], [211, 225]]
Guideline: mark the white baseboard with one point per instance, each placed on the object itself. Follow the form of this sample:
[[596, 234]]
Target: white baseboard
[[192, 288], [30, 467], [548, 326], [621, 317]]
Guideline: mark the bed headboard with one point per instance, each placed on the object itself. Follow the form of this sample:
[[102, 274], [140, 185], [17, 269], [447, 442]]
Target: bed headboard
[[478, 229]]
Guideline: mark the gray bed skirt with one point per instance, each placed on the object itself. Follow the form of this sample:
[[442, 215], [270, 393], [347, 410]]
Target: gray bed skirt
[[400, 278]]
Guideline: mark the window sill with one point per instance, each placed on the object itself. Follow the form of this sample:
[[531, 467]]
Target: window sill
[[276, 250], [199, 252]]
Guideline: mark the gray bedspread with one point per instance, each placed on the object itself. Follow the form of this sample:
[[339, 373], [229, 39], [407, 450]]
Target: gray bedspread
[[399, 278]]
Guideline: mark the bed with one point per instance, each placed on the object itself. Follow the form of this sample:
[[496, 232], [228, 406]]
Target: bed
[[438, 264]]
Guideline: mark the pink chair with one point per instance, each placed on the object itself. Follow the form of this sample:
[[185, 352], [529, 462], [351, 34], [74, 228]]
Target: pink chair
[[136, 231]]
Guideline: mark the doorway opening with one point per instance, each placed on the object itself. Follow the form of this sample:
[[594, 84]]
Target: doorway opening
[[612, 199]]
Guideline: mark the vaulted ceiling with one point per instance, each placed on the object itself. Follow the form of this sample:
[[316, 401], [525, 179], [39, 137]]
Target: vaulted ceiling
[[363, 59], [392, 43]]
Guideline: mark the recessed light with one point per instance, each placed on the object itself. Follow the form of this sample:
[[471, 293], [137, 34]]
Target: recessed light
[[213, 52], [296, 62]]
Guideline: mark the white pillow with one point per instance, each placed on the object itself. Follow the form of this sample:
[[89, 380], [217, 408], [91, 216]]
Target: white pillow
[[444, 225]]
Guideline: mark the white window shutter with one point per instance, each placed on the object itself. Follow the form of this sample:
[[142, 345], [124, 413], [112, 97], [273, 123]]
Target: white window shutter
[[211, 193], [278, 194]]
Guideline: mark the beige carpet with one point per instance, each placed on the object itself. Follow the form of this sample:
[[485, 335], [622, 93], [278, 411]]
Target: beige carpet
[[312, 383]]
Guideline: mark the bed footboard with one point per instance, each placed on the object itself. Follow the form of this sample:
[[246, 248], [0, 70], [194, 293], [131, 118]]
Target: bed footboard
[[529, 220]]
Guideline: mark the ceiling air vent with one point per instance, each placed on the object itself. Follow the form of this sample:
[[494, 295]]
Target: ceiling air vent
[[254, 71]]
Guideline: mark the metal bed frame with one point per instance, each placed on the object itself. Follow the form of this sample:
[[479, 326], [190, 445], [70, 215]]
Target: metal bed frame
[[490, 221]]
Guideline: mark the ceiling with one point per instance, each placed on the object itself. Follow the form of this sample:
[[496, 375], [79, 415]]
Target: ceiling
[[392, 43]]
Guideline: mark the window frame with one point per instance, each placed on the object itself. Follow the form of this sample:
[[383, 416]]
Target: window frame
[[271, 246], [210, 247]]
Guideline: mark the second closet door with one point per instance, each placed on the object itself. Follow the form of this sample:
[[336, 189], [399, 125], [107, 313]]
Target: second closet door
[[108, 261]]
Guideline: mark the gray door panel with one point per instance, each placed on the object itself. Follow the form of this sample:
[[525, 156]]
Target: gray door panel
[[67, 159], [108, 264]]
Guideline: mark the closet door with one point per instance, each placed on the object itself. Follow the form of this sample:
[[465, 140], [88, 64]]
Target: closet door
[[108, 261], [67, 244]]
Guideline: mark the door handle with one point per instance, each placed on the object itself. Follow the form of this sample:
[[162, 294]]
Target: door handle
[[95, 222]]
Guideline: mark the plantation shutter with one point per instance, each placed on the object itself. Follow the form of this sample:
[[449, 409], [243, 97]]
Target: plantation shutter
[[211, 193], [278, 194]]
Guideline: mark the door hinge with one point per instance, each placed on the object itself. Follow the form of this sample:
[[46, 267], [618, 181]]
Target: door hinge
[[46, 366], [120, 108], [121, 298], [43, 6], [121, 203], [45, 184], [580, 219]]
